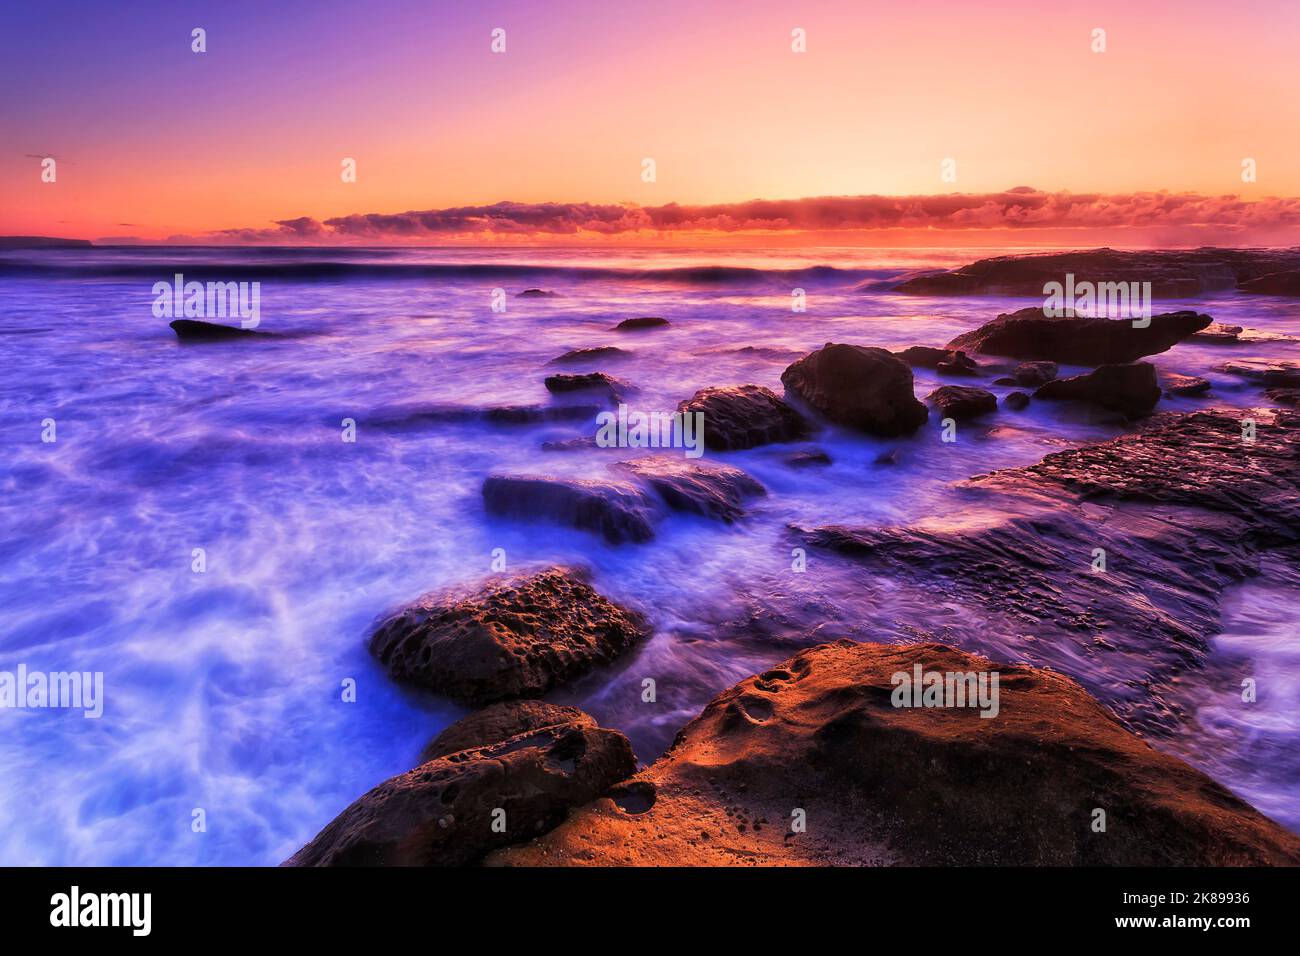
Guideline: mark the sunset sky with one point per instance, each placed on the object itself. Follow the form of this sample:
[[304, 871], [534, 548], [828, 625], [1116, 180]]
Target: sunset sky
[[154, 141]]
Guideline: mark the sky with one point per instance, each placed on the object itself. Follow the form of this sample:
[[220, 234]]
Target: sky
[[1143, 142]]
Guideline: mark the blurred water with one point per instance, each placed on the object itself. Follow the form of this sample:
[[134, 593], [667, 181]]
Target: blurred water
[[224, 688]]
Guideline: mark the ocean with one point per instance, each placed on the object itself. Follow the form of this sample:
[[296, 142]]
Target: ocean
[[223, 687]]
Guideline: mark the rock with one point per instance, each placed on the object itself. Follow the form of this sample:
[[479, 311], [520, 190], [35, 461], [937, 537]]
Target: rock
[[501, 721], [535, 294], [617, 510], [869, 389], [962, 401], [590, 381], [514, 638], [806, 459], [1186, 385], [1178, 273], [578, 356], [887, 457], [442, 812], [1275, 283], [1282, 374], [1181, 509], [1033, 374], [1195, 460], [743, 416], [1016, 401], [536, 414], [636, 325], [878, 783], [1284, 396], [712, 490], [1218, 332], [945, 361], [1128, 389], [1029, 334], [192, 330]]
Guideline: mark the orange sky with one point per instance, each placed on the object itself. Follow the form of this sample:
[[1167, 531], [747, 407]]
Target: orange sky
[[153, 141]]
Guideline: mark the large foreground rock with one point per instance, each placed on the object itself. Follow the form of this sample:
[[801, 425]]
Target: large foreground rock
[[1128, 389], [1176, 273], [1029, 334], [817, 739], [743, 416], [617, 510], [515, 638], [442, 813], [869, 389]]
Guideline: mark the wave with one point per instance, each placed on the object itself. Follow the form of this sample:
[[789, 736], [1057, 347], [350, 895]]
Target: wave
[[235, 268]]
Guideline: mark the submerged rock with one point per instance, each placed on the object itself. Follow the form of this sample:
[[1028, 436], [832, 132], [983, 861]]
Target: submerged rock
[[712, 490], [812, 762], [1128, 389], [1016, 401], [501, 721], [944, 361], [743, 416], [1029, 334], [443, 812], [807, 459], [962, 401], [617, 510], [192, 330], [869, 389], [421, 416], [636, 325], [597, 354], [536, 294], [514, 638]]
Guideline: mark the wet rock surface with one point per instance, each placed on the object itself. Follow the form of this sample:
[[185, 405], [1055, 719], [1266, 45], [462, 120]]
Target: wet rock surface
[[594, 354], [616, 510], [744, 416], [944, 361], [962, 401], [588, 382], [194, 330], [1172, 273], [501, 721], [1185, 385], [1128, 389], [515, 638], [817, 738], [868, 389], [1016, 401], [641, 324], [709, 489], [442, 813], [1029, 334]]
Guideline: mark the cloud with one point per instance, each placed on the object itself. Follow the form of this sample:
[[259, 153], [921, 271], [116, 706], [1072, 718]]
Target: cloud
[[1018, 209]]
